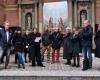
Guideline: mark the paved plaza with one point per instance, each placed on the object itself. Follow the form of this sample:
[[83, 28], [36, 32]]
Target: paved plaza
[[57, 69]]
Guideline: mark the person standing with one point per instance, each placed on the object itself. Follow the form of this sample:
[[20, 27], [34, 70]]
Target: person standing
[[86, 38], [34, 48], [4, 39], [26, 49], [97, 42], [76, 49], [46, 44], [67, 46], [56, 40], [19, 48]]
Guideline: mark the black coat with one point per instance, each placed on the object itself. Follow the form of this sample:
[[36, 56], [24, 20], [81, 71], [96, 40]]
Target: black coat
[[97, 42], [19, 43], [76, 43], [86, 36], [3, 38], [67, 46], [34, 47], [26, 39], [56, 40]]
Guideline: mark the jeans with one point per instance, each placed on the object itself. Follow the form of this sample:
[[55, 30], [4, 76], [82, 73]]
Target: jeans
[[87, 51], [1, 52], [20, 58]]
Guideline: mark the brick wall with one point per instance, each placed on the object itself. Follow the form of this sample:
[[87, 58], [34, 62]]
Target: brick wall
[[97, 7]]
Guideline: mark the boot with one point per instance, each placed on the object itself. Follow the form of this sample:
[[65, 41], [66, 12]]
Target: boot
[[68, 62], [85, 64]]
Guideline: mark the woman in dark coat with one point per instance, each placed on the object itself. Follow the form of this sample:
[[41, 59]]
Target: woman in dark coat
[[26, 49], [97, 42], [19, 48], [76, 47], [34, 48], [67, 46]]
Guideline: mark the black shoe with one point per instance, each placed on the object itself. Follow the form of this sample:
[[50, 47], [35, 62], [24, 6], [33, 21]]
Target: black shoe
[[18, 65], [2, 62], [23, 66], [33, 65], [68, 63], [15, 62], [78, 65], [73, 65], [41, 65], [25, 61], [6, 66], [84, 69], [29, 61], [89, 67]]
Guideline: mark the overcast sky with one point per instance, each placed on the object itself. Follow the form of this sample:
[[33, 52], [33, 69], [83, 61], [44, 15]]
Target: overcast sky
[[55, 10]]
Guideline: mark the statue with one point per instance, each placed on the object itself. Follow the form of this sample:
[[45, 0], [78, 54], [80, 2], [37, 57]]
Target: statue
[[28, 21], [51, 23], [61, 25]]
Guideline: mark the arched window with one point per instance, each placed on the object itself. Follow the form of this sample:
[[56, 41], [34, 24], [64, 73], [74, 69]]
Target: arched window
[[83, 16], [28, 21]]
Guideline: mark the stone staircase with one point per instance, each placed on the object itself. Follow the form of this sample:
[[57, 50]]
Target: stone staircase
[[49, 75]]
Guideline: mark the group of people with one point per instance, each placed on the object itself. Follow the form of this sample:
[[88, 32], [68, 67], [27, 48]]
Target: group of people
[[73, 41], [34, 45]]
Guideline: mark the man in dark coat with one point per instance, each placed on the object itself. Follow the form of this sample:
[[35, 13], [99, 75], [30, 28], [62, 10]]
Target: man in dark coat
[[5, 39], [67, 46], [86, 38], [56, 40], [46, 44], [34, 48], [97, 42]]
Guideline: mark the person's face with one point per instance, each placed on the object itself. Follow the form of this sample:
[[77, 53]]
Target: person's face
[[27, 32], [67, 31], [46, 30], [85, 23], [74, 29], [6, 25], [56, 30], [35, 30]]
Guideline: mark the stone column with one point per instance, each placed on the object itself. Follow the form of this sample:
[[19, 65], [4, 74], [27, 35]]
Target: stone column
[[75, 14], [93, 20], [70, 13], [19, 15], [40, 16], [93, 14], [36, 15]]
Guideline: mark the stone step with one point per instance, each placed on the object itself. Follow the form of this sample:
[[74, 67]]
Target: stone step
[[51, 75]]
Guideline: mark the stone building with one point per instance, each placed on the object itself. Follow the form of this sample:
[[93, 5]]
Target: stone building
[[26, 13]]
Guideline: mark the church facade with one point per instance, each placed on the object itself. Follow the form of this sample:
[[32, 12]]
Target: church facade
[[29, 13]]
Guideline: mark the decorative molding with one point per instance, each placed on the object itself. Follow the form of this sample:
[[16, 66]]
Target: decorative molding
[[11, 7]]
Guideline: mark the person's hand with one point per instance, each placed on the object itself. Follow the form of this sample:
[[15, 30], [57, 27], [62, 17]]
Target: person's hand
[[76, 32]]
